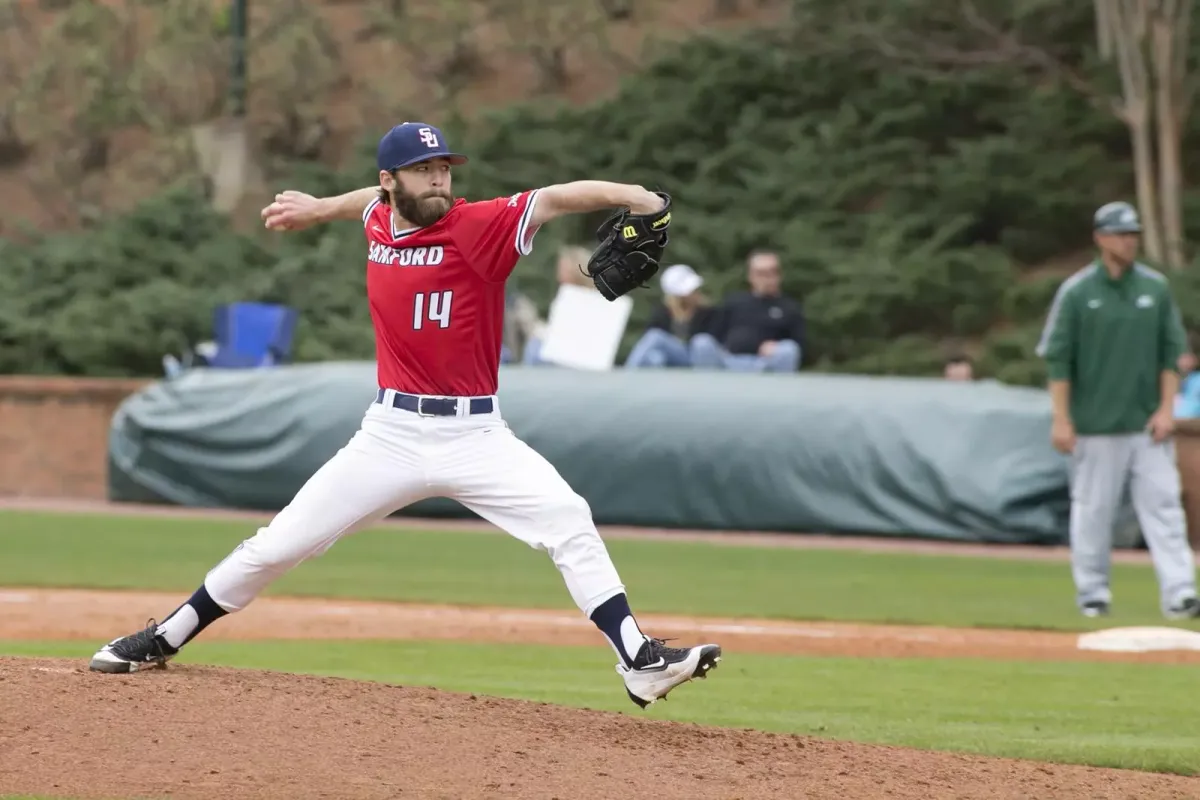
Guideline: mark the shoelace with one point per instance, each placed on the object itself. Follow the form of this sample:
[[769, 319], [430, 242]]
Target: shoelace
[[658, 647], [147, 639]]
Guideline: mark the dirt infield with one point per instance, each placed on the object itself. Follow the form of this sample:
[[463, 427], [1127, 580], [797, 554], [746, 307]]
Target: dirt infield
[[99, 616], [203, 732]]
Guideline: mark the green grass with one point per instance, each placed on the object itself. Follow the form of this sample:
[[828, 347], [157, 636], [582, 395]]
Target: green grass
[[1122, 715], [471, 568]]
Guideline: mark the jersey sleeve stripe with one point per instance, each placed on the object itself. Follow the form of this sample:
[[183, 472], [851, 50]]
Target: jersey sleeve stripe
[[1149, 272], [1056, 308], [367, 211], [524, 234]]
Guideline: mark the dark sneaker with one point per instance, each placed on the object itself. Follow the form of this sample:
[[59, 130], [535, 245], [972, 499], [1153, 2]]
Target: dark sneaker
[[142, 650], [1188, 608]]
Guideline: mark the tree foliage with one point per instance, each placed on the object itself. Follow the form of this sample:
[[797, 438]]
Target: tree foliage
[[907, 203], [1141, 71], [114, 299]]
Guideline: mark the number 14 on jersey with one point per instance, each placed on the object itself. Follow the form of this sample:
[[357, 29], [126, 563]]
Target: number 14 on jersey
[[438, 304]]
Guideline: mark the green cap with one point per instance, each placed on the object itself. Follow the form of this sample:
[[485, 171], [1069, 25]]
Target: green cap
[[1116, 218]]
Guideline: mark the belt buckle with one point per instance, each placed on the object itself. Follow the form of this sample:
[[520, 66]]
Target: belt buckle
[[421, 409]]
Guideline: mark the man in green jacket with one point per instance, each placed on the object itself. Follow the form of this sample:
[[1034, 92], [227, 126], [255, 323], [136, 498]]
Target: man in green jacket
[[1111, 343]]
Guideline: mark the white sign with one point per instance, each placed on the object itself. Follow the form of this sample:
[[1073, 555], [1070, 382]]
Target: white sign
[[584, 330]]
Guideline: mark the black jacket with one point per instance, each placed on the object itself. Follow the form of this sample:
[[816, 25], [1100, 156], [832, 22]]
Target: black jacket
[[744, 321]]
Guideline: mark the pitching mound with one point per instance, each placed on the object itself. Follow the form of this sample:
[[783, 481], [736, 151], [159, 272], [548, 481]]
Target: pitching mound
[[199, 732]]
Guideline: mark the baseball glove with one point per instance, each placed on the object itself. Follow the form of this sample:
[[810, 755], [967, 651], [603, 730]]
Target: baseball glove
[[631, 246]]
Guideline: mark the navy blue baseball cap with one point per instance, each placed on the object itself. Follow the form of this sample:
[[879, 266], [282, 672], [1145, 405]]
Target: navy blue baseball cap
[[413, 142]]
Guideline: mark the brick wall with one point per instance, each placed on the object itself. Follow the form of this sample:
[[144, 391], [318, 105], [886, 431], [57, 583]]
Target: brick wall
[[54, 434]]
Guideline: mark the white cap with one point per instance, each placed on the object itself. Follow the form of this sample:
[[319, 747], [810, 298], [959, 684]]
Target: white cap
[[680, 280]]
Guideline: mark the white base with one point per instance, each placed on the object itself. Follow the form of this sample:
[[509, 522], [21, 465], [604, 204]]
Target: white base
[[1140, 640]]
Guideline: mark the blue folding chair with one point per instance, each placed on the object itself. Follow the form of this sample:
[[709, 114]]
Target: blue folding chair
[[251, 335]]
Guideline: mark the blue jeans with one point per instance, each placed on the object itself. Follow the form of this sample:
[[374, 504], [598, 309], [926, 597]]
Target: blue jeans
[[656, 349], [707, 353], [532, 357]]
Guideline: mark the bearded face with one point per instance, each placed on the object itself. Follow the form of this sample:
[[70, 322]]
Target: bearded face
[[420, 193], [423, 209]]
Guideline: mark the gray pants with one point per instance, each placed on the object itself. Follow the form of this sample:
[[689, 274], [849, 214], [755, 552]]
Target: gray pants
[[1101, 466]]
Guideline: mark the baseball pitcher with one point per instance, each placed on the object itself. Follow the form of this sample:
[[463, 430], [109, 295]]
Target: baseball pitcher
[[436, 271]]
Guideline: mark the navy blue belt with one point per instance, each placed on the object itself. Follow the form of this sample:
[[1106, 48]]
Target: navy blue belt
[[434, 406]]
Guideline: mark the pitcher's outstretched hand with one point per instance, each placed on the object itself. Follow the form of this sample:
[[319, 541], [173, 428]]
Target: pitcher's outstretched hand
[[292, 211]]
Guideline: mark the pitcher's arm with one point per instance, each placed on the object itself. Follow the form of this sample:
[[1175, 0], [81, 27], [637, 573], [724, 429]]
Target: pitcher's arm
[[294, 211], [350, 205], [580, 197]]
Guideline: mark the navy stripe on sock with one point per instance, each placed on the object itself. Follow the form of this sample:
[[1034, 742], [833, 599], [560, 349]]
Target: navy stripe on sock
[[608, 617]]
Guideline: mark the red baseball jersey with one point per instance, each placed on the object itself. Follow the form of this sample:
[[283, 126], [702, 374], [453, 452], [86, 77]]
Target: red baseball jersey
[[437, 293]]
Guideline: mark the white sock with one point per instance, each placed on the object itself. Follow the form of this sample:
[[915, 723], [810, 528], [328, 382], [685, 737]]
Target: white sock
[[179, 626], [632, 637]]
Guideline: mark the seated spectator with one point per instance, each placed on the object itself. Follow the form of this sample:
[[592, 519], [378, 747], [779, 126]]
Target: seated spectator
[[958, 368], [570, 261], [683, 313], [756, 331]]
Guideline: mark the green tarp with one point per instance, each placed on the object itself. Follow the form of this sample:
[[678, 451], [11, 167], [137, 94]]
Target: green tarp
[[671, 448]]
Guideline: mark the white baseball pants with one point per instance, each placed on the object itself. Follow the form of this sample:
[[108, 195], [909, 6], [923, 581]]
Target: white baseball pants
[[1101, 465], [398, 458]]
